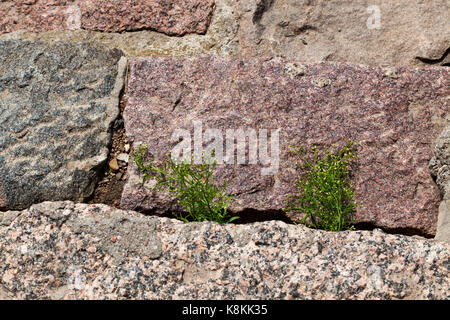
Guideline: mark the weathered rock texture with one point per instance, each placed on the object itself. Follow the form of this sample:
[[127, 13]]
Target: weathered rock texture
[[394, 116], [443, 227], [221, 37], [169, 17], [76, 251], [440, 167], [57, 103], [440, 163], [411, 32]]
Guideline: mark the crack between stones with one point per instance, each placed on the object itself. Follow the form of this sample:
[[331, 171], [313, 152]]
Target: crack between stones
[[136, 30], [262, 7], [110, 193], [436, 61], [249, 216], [409, 231]]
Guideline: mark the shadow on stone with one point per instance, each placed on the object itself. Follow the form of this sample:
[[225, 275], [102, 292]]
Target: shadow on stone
[[402, 231], [250, 215]]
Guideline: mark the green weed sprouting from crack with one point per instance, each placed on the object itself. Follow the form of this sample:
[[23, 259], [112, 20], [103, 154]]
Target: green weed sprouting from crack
[[325, 196], [192, 184]]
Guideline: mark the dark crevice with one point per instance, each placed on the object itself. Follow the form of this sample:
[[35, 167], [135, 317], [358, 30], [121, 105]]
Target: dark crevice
[[151, 29], [168, 33], [251, 215], [436, 61], [245, 217], [110, 192], [262, 7], [248, 216], [368, 226]]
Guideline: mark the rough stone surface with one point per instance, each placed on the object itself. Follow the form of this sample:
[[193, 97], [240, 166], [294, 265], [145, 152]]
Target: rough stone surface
[[57, 104], [443, 227], [169, 17], [440, 168], [440, 163], [221, 37], [172, 17], [395, 122], [411, 32], [64, 250]]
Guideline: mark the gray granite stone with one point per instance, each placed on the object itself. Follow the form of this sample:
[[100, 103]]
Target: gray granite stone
[[57, 103]]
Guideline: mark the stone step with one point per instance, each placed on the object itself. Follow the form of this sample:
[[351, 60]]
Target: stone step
[[57, 104], [394, 116], [62, 250], [173, 17]]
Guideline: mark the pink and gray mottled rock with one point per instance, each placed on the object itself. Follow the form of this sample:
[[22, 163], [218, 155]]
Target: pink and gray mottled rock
[[401, 32], [393, 115], [63, 250], [169, 17], [39, 15]]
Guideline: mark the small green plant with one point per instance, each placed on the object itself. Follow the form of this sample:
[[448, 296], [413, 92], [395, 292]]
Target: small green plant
[[325, 196], [192, 184]]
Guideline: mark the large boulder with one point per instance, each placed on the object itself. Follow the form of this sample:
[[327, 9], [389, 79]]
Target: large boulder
[[401, 32], [64, 250], [57, 105], [393, 115], [169, 17]]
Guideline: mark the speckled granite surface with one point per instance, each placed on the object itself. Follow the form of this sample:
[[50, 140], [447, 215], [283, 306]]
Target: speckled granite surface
[[394, 116], [167, 16], [63, 250]]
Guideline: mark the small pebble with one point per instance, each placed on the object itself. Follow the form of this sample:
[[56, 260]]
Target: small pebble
[[123, 157], [391, 73], [114, 165]]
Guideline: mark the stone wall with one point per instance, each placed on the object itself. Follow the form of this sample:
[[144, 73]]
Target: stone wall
[[84, 82]]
